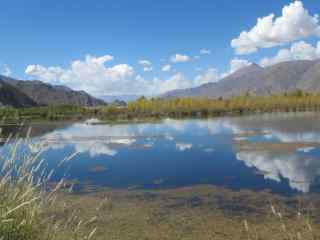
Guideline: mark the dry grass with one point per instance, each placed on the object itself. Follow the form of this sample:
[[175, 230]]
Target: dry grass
[[26, 201]]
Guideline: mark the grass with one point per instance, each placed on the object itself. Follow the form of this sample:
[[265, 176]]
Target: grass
[[28, 205]]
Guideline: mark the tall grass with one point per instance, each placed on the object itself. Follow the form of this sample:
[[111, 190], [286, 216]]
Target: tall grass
[[299, 228], [28, 204]]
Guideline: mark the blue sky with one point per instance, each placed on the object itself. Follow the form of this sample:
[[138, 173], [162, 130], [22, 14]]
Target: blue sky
[[49, 40]]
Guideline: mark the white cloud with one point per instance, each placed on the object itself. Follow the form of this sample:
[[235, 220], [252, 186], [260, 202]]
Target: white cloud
[[99, 60], [147, 65], [210, 75], [180, 58], [166, 68], [298, 51], [213, 75], [295, 23], [300, 172], [306, 149], [183, 146], [95, 76], [92, 139], [177, 81], [6, 71], [235, 65], [147, 69], [205, 51], [91, 75]]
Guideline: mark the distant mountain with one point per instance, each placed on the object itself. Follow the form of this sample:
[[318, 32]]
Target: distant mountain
[[118, 103], [124, 97], [11, 96], [279, 78], [45, 94]]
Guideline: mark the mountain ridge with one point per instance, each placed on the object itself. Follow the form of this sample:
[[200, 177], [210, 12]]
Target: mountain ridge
[[279, 78], [44, 94], [14, 97]]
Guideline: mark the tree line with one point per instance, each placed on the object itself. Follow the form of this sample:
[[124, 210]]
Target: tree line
[[206, 107], [144, 108]]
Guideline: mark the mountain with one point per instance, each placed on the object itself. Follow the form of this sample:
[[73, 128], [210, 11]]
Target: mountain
[[124, 97], [44, 94], [279, 78], [12, 96]]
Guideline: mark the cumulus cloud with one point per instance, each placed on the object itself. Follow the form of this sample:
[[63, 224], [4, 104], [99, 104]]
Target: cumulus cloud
[[97, 76], [213, 75], [180, 58], [270, 31], [298, 51], [147, 65], [205, 51], [6, 71], [210, 75], [90, 74], [177, 81], [235, 65], [166, 68]]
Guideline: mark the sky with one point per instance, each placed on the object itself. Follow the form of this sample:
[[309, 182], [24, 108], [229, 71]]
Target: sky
[[149, 47]]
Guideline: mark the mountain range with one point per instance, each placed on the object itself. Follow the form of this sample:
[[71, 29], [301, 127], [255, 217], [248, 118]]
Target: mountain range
[[254, 79], [18, 93]]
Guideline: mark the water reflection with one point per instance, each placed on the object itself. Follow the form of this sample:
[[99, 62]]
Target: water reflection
[[183, 146], [276, 151], [300, 171]]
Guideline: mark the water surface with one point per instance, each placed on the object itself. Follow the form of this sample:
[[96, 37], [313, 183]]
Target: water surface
[[276, 152]]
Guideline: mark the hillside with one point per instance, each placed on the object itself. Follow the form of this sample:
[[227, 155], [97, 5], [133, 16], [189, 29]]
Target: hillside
[[45, 94], [12, 96], [279, 78]]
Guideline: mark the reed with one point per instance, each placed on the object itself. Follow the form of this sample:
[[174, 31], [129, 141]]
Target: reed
[[27, 202]]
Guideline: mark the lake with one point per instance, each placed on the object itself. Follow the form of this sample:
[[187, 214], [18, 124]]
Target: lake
[[275, 152]]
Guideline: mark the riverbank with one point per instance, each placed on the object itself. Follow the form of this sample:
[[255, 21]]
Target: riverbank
[[156, 109]]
